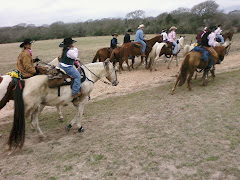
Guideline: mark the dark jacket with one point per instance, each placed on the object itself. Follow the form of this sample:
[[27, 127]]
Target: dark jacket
[[204, 40], [126, 38], [113, 43], [198, 37]]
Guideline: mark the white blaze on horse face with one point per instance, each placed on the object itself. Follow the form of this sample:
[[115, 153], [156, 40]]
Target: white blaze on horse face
[[4, 85]]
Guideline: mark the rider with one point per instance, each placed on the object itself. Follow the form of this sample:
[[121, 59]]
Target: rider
[[199, 35], [69, 55], [164, 35], [139, 38], [25, 61], [114, 42], [172, 38], [218, 32], [208, 41], [127, 36]]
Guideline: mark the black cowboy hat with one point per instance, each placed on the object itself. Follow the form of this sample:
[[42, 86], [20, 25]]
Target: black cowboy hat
[[129, 30], [67, 42], [26, 41], [115, 34]]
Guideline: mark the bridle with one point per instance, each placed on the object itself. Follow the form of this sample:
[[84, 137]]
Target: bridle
[[105, 82]]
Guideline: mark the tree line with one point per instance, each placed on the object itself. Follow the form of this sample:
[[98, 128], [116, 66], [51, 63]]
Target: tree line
[[188, 21]]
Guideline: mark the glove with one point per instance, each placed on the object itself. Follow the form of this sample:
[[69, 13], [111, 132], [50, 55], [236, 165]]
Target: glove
[[36, 59]]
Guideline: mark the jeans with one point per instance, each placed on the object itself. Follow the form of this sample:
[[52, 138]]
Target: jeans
[[175, 47], [220, 37], [71, 71], [143, 45]]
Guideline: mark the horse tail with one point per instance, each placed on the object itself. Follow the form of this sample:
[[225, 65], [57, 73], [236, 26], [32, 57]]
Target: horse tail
[[184, 70], [17, 134], [96, 57]]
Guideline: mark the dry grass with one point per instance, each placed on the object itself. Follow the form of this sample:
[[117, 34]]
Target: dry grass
[[149, 134]]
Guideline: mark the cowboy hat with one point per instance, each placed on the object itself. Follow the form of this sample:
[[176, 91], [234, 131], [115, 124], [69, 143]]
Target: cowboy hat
[[26, 41], [173, 27], [115, 34], [129, 30], [141, 26], [205, 28], [67, 42]]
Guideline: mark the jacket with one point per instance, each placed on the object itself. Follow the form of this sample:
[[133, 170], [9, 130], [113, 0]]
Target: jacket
[[25, 64], [126, 38], [139, 36], [113, 43]]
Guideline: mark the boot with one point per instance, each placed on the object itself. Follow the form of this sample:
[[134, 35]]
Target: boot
[[77, 95]]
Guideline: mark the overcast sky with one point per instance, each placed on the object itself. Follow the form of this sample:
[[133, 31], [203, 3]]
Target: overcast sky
[[39, 12]]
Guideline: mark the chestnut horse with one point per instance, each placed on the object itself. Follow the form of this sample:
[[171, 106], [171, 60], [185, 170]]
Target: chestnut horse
[[135, 50], [228, 35], [102, 54], [191, 62]]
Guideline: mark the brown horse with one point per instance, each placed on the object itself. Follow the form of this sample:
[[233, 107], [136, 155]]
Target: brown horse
[[102, 54], [135, 50], [228, 35], [115, 56], [192, 61]]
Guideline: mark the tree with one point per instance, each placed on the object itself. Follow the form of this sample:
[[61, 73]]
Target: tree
[[136, 14]]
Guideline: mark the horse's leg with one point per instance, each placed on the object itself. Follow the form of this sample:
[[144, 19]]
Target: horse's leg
[[79, 105], [60, 116], [178, 78], [133, 61], [176, 61], [146, 62], [128, 65], [213, 72], [205, 77], [35, 122], [170, 62], [140, 62], [189, 79]]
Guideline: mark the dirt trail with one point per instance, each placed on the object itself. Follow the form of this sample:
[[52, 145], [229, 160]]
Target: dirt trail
[[139, 79]]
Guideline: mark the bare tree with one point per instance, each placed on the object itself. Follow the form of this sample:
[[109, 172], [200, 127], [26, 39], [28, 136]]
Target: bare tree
[[136, 14]]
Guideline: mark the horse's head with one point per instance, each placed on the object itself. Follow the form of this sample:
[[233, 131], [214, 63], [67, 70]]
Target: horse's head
[[111, 73]]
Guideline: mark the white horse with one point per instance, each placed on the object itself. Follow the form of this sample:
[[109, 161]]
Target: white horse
[[36, 92], [156, 52]]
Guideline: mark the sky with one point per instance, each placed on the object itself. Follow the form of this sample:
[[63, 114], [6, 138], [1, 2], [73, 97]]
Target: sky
[[39, 12]]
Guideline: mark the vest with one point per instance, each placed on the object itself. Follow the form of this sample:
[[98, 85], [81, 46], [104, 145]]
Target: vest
[[205, 39], [66, 60]]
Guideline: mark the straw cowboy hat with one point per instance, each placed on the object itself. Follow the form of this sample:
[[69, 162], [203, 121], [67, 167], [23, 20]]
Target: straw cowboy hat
[[67, 42], [115, 34], [205, 28], [173, 27], [26, 41], [141, 26]]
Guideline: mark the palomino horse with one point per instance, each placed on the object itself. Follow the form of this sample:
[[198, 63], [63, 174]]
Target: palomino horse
[[130, 48], [102, 54], [191, 62], [36, 92]]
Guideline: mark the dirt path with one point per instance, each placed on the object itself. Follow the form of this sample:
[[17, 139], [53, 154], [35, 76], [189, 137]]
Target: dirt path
[[140, 79]]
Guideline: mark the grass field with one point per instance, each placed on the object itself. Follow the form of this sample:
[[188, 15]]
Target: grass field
[[148, 135]]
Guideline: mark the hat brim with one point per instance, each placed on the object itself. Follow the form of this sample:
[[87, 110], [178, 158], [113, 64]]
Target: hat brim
[[66, 45], [21, 45]]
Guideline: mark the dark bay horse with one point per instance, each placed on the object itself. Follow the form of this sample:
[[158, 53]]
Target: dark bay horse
[[102, 54], [135, 50], [191, 62], [228, 35]]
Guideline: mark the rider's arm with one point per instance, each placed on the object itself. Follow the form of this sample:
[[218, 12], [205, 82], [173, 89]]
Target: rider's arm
[[72, 53]]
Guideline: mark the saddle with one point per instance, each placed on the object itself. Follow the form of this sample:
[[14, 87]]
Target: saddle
[[205, 55], [137, 45], [58, 77]]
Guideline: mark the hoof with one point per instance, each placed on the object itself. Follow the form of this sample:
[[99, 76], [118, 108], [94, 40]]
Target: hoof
[[81, 129], [61, 120], [68, 127]]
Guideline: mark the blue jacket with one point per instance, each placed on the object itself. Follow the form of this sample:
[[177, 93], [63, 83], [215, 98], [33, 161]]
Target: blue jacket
[[139, 35]]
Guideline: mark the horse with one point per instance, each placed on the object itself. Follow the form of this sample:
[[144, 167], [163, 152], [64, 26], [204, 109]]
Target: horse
[[191, 62], [102, 54], [36, 92], [228, 35], [115, 56], [135, 50]]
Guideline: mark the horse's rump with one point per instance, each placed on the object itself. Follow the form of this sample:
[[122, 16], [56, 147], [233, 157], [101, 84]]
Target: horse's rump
[[6, 90]]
